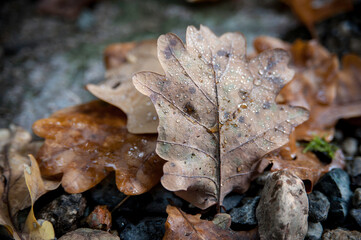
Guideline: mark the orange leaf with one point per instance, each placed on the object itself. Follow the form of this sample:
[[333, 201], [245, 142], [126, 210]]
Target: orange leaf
[[86, 142], [100, 218]]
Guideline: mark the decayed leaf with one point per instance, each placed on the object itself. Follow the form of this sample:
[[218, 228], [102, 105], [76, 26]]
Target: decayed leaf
[[217, 113], [100, 218], [180, 225], [122, 61], [310, 11], [89, 234], [37, 229], [306, 166], [15, 149], [319, 85], [86, 142]]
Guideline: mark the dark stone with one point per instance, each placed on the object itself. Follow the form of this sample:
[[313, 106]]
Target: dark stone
[[232, 200], [353, 166], [356, 215], [336, 186], [120, 223], [161, 199], [64, 212], [318, 207], [246, 214], [314, 231], [147, 229], [356, 200], [106, 193]]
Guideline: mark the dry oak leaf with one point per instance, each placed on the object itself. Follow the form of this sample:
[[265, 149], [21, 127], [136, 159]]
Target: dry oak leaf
[[180, 225], [311, 11], [318, 85], [86, 142], [306, 166], [217, 113], [122, 61], [37, 229], [15, 145]]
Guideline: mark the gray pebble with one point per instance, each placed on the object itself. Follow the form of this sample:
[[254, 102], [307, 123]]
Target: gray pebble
[[356, 200], [349, 146], [318, 206], [314, 231]]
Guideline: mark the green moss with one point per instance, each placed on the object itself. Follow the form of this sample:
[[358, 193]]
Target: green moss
[[321, 145]]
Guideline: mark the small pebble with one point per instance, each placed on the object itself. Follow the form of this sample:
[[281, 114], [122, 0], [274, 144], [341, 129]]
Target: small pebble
[[246, 214], [349, 146], [314, 231], [341, 234], [232, 200], [146, 229], [64, 212], [336, 186], [318, 206], [283, 208], [89, 234], [353, 166], [356, 215], [356, 200]]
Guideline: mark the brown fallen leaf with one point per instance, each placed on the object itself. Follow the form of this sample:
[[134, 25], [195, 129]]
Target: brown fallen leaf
[[100, 218], [306, 166], [310, 11], [318, 85], [181, 225], [37, 229], [15, 149], [122, 61], [65, 8], [217, 113], [88, 234], [86, 142]]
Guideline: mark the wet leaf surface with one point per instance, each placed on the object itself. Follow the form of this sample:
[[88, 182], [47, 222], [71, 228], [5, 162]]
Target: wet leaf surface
[[122, 61], [181, 225], [217, 113], [86, 142]]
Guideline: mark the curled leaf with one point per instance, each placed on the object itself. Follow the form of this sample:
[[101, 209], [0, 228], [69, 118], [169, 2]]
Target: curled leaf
[[86, 142], [180, 225], [122, 61], [37, 229], [217, 112]]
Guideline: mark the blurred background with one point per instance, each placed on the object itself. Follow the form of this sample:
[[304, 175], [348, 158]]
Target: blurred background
[[50, 49]]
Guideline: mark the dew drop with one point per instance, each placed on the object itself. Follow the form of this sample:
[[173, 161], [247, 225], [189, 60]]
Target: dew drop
[[177, 120], [257, 82]]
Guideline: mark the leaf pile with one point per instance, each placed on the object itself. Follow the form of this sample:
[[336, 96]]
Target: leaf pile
[[21, 184], [217, 116]]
